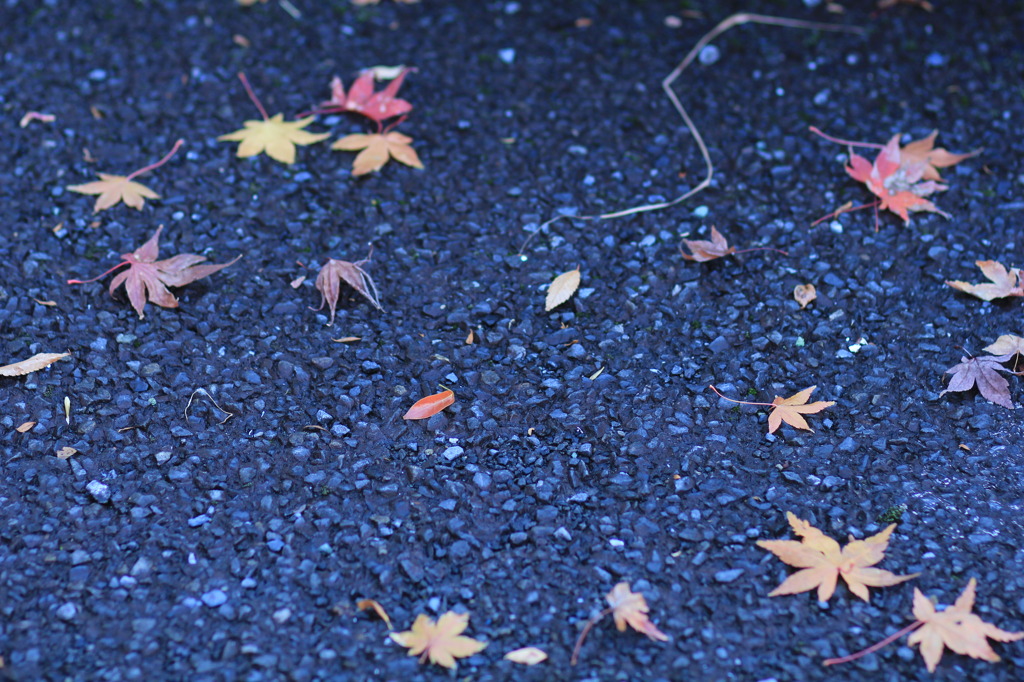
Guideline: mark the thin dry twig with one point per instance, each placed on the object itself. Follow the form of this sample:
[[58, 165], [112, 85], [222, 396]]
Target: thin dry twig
[[666, 85], [207, 394]]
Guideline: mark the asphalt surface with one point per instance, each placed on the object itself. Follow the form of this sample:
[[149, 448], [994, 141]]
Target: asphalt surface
[[175, 546]]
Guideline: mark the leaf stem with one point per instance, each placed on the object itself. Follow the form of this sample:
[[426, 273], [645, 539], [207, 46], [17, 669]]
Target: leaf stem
[[839, 211], [583, 635], [872, 145], [252, 95], [874, 647], [87, 281], [152, 166], [731, 400]]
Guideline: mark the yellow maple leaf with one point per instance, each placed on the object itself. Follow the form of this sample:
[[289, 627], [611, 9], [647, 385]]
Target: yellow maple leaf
[[377, 149], [630, 608], [790, 409], [442, 641], [956, 627], [823, 562], [114, 188], [275, 136]]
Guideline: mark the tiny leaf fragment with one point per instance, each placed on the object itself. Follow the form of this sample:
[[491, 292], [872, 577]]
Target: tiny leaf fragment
[[527, 655]]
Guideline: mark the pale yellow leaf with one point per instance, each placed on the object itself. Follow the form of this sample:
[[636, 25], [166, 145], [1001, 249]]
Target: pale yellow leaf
[[297, 282], [561, 288], [274, 136], [66, 452], [528, 655], [33, 364], [27, 426], [442, 641], [114, 188]]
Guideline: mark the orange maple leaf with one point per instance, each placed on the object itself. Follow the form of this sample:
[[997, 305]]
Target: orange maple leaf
[[922, 152], [377, 149], [823, 562], [630, 608], [442, 641], [1003, 282], [790, 409]]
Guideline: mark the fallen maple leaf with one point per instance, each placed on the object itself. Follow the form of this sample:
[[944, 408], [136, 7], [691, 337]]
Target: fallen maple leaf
[[114, 188], [956, 627], [1006, 346], [32, 364], [704, 250], [272, 135], [377, 148], [630, 608], [148, 279], [984, 372], [1004, 282], [430, 405], [822, 562], [361, 99], [441, 642], [527, 655], [897, 187], [334, 272], [561, 289], [790, 409]]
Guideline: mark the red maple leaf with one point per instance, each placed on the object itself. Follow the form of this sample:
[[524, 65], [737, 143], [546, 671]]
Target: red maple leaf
[[898, 187], [361, 99]]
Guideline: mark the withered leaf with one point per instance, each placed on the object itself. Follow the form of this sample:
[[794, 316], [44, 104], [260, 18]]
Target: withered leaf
[[1006, 346], [32, 364], [441, 642], [790, 409], [630, 608], [527, 655], [376, 149], [334, 272], [1004, 282], [804, 294], [984, 372], [822, 562], [364, 604], [704, 250], [27, 426], [561, 289], [957, 628], [66, 452], [427, 407], [148, 278]]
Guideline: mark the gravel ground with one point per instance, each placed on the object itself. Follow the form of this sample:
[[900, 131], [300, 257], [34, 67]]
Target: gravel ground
[[183, 548]]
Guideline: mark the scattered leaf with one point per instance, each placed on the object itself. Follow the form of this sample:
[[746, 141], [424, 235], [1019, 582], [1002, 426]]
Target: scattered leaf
[[48, 304], [32, 364], [790, 409], [704, 250], [361, 99], [364, 604], [957, 628], [114, 188], [630, 608], [376, 149], [596, 374], [921, 152], [348, 339], [528, 655], [822, 562], [429, 406], [27, 426], [561, 288], [1004, 282], [983, 371], [899, 188], [66, 452], [334, 272], [67, 410], [35, 116], [275, 136], [1006, 346], [470, 338], [804, 294], [441, 642], [147, 278], [297, 282]]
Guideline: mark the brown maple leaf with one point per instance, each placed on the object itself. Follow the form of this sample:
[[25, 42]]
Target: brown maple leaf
[[1004, 282], [822, 562], [984, 372], [147, 278], [334, 272], [377, 149], [442, 642], [790, 409], [704, 250], [957, 628], [630, 608], [114, 188], [921, 152]]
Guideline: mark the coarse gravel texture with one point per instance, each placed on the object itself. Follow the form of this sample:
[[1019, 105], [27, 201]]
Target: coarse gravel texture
[[176, 547]]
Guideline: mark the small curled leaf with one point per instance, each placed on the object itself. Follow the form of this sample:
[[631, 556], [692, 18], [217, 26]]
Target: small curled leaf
[[429, 406]]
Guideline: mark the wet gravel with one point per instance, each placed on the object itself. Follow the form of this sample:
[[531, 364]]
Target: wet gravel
[[176, 547]]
